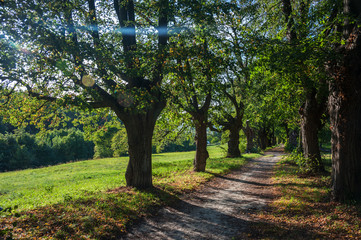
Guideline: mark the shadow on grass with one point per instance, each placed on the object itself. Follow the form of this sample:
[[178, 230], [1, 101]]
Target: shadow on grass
[[106, 215]]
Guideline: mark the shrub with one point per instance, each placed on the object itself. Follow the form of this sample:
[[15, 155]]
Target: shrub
[[305, 164], [8, 146], [72, 145]]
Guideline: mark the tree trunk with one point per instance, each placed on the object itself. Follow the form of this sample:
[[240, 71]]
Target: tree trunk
[[263, 138], [293, 138], [140, 127], [248, 131], [310, 126], [233, 143], [345, 115], [200, 160]]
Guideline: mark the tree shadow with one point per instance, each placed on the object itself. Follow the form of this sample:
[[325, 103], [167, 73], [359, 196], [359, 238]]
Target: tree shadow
[[184, 220]]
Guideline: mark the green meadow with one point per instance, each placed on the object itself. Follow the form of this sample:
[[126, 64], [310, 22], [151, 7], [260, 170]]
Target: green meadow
[[28, 189]]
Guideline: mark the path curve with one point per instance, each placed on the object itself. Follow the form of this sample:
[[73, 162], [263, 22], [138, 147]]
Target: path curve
[[219, 210]]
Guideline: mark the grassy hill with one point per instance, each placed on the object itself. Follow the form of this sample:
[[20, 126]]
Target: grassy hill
[[89, 200], [31, 188]]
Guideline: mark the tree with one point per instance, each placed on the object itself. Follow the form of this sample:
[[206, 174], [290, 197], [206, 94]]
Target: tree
[[250, 135], [229, 116], [315, 90], [345, 100], [193, 83], [94, 55], [235, 44]]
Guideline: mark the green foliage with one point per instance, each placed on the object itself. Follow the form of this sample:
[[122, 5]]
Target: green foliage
[[71, 145], [289, 147], [172, 132], [103, 140], [214, 137], [305, 165], [119, 143]]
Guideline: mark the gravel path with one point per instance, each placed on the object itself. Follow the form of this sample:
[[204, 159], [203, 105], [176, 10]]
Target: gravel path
[[219, 210]]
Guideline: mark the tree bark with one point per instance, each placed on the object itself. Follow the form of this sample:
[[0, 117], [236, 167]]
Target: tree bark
[[345, 110], [140, 127], [264, 138], [233, 143], [140, 122], [248, 131], [200, 160], [311, 113], [293, 137]]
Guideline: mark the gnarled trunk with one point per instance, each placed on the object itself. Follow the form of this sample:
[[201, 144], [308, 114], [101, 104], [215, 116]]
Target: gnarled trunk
[[345, 107], [264, 139], [345, 114], [233, 142], [248, 131], [200, 160], [310, 126], [140, 127]]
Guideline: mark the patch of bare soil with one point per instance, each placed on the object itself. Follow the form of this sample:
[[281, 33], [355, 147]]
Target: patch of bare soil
[[219, 210]]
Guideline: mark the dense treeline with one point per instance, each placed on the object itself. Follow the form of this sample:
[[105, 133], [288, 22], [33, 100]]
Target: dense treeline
[[21, 150]]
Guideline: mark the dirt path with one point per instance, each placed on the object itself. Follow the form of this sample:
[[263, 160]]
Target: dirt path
[[219, 210]]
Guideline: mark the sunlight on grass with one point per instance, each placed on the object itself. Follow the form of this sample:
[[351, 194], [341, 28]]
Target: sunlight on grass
[[89, 200], [303, 205], [31, 188]]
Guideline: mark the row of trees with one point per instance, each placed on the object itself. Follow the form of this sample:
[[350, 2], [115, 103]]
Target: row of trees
[[220, 62]]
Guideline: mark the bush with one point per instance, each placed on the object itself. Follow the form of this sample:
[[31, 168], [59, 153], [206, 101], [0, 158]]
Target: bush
[[305, 164], [72, 146], [186, 145], [289, 147]]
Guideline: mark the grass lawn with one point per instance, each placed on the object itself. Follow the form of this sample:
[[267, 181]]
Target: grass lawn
[[302, 209], [89, 200]]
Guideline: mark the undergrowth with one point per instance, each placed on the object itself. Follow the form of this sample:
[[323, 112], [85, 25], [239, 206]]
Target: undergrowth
[[302, 208]]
